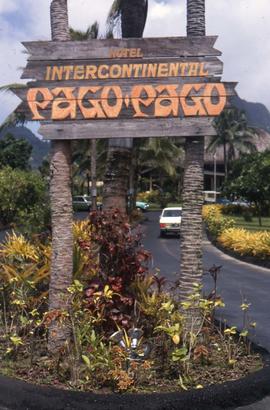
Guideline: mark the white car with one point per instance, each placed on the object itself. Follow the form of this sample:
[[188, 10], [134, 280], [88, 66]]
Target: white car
[[170, 220]]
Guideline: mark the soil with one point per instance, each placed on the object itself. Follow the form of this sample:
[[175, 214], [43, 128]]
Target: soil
[[213, 371]]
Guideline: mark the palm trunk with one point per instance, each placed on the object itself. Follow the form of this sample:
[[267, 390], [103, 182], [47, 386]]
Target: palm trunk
[[94, 174], [193, 184], [117, 174], [196, 17], [191, 226], [61, 208], [225, 161], [133, 17]]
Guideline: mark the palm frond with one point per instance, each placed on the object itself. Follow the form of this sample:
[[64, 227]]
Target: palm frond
[[114, 17], [7, 88], [92, 32], [14, 119]]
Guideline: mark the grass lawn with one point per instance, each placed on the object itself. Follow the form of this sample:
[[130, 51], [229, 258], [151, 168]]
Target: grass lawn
[[251, 226]]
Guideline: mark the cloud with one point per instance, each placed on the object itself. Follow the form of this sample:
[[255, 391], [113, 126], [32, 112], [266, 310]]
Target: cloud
[[8, 6], [242, 26]]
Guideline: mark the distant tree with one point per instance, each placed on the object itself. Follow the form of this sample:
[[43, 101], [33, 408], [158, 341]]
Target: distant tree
[[14, 152], [20, 192], [249, 179], [233, 134]]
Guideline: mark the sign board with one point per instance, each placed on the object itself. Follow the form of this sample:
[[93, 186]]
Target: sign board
[[124, 88]]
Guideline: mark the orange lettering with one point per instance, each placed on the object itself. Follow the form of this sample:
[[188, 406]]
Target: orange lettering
[[32, 95], [95, 111], [195, 107], [193, 69], [64, 107], [137, 100], [167, 104], [112, 111], [91, 71], [103, 68], [79, 72], [162, 70], [57, 73], [115, 71], [217, 92], [48, 73], [203, 72]]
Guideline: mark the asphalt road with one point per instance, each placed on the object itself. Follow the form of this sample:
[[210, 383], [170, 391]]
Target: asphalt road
[[238, 280]]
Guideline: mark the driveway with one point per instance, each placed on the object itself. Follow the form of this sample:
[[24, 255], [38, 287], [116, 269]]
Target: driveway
[[238, 280]]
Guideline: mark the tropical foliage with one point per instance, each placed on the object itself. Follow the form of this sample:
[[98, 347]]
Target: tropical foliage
[[240, 241], [233, 134], [21, 194], [127, 331], [14, 153], [246, 243], [215, 221], [249, 179]]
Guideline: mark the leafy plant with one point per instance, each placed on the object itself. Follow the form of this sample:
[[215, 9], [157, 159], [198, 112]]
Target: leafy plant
[[20, 193], [215, 222], [121, 260]]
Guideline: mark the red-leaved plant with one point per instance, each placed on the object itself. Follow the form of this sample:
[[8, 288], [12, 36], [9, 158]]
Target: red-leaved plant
[[122, 259]]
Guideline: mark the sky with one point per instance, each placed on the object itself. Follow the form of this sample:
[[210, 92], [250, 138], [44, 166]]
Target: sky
[[243, 27]]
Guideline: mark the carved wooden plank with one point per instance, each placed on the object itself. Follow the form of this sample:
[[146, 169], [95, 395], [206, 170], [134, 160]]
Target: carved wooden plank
[[172, 127], [124, 88], [93, 104], [127, 89], [191, 109], [99, 49], [142, 68]]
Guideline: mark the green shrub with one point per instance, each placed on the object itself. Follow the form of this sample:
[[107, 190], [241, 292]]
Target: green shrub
[[233, 209], [148, 196], [20, 192], [215, 221]]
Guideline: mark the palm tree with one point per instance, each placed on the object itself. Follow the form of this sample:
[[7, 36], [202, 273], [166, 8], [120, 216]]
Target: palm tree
[[233, 134], [61, 208], [162, 157], [132, 15], [160, 153], [191, 269], [92, 32], [88, 160]]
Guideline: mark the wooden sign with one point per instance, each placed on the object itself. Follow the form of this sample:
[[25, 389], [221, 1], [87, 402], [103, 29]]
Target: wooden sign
[[121, 88]]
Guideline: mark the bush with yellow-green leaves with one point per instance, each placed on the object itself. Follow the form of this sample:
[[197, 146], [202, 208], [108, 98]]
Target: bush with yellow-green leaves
[[238, 240], [246, 243], [215, 221]]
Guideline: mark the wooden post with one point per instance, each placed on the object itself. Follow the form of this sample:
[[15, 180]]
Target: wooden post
[[61, 208]]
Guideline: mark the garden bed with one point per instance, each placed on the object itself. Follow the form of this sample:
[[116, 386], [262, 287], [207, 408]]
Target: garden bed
[[18, 395], [248, 246], [265, 263], [128, 332]]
